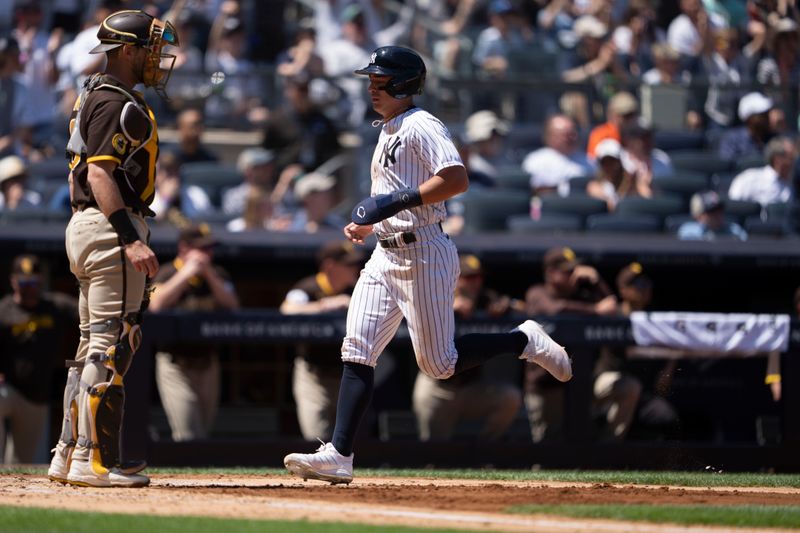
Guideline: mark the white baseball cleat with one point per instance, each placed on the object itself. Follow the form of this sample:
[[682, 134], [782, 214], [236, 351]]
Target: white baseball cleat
[[544, 351], [326, 464], [82, 474], [59, 465]]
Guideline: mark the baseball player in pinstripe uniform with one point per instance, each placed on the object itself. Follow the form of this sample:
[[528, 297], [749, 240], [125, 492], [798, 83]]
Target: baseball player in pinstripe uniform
[[413, 271]]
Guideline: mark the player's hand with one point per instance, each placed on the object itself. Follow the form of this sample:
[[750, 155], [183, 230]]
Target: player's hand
[[142, 258], [607, 306], [357, 233], [333, 303]]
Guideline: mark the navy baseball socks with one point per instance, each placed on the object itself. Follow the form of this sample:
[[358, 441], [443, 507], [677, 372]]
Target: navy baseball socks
[[527, 339], [333, 461]]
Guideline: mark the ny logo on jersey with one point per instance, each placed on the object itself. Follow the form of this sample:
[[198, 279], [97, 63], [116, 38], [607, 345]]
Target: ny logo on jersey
[[389, 150]]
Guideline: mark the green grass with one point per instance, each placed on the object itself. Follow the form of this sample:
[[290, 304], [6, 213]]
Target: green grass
[[681, 479], [33, 520], [739, 516]]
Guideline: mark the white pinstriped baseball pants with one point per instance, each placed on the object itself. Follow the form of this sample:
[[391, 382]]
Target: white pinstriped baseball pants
[[416, 282]]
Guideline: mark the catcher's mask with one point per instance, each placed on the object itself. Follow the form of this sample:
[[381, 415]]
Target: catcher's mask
[[137, 28]]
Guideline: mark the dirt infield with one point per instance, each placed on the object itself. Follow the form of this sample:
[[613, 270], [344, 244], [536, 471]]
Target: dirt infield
[[467, 504]]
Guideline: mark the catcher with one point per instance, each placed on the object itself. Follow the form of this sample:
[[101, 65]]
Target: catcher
[[113, 148]]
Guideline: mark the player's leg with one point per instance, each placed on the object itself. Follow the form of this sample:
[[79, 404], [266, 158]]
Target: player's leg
[[437, 407], [179, 398], [114, 299], [314, 395], [497, 404], [619, 394], [27, 421], [372, 320]]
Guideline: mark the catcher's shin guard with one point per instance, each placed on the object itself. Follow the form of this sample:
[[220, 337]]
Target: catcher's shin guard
[[106, 400], [59, 465]]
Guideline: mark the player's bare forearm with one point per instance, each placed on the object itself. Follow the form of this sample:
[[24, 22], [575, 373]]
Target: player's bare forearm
[[449, 182], [104, 188]]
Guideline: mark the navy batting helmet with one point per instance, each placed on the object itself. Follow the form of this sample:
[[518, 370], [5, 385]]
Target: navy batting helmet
[[405, 66]]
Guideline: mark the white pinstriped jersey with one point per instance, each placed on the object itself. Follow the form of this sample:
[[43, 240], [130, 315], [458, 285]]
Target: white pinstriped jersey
[[412, 147], [414, 282]]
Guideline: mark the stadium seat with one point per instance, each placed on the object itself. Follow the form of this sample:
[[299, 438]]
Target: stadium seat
[[530, 59], [683, 184], [673, 222], [777, 211], [577, 185], [55, 169], [559, 223], [721, 182], [488, 210], [673, 140], [699, 161], [575, 204], [623, 223], [767, 228], [740, 210], [748, 162], [659, 206], [513, 177], [211, 177], [522, 140], [30, 215]]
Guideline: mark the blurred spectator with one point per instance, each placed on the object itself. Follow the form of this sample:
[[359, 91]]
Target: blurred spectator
[[317, 195], [260, 213], [667, 67], [748, 140], [569, 287], [594, 55], [188, 374], [635, 35], [689, 33], [174, 201], [190, 149], [611, 182], [452, 18], [34, 325], [622, 109], [299, 133], [780, 67], [494, 43], [771, 183], [13, 179], [709, 222], [257, 166], [315, 381], [344, 55], [773, 377], [301, 58], [641, 159], [485, 133], [37, 51], [726, 69], [239, 91], [16, 111], [652, 378], [560, 159], [440, 405], [74, 57]]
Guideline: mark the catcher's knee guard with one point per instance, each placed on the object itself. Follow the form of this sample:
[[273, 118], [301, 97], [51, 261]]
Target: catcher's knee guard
[[106, 400]]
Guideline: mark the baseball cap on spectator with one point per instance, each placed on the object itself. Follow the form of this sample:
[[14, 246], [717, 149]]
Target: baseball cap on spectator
[[560, 258], [313, 182], [197, 236], [500, 7], [623, 103], [785, 25], [342, 252], [753, 104], [470, 265], [12, 167], [589, 26], [705, 202], [26, 266], [633, 275], [481, 125], [607, 148], [253, 157]]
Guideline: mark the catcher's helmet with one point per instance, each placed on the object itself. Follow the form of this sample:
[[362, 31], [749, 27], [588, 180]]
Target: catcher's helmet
[[405, 66]]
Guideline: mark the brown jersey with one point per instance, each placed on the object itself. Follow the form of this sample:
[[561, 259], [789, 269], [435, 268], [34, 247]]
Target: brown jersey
[[111, 122]]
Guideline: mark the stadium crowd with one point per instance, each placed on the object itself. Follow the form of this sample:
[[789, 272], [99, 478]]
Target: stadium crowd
[[579, 115]]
